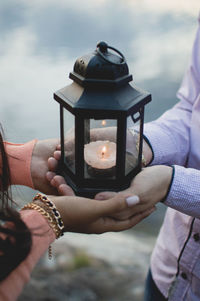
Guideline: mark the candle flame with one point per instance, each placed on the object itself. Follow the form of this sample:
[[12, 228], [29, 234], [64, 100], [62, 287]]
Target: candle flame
[[103, 151], [103, 122]]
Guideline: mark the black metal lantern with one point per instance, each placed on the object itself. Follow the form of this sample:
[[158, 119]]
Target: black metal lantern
[[97, 107]]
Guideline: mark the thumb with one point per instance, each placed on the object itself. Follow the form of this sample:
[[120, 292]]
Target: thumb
[[104, 195], [113, 205]]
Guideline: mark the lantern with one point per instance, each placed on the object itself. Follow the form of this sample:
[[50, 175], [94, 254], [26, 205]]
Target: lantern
[[95, 112]]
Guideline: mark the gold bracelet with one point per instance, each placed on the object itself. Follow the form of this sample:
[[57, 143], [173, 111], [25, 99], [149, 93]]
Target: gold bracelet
[[51, 209], [47, 208], [44, 213]]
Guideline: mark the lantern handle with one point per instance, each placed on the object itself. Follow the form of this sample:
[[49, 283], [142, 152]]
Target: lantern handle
[[102, 48]]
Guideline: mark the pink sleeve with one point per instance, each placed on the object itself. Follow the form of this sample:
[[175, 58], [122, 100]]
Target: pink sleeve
[[11, 287], [19, 157]]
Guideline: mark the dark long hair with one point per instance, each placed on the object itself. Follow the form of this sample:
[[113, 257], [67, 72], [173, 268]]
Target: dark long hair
[[15, 237]]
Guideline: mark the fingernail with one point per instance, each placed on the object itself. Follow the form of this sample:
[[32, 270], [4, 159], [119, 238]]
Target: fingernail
[[132, 200], [50, 175]]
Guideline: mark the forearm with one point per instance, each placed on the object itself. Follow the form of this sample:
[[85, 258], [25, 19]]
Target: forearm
[[28, 163], [19, 158], [184, 194], [169, 136], [42, 237]]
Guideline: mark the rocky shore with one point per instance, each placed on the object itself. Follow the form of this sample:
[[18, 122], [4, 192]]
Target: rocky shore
[[107, 267], [110, 267]]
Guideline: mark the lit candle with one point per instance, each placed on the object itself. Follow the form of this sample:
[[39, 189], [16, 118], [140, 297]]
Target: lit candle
[[103, 122], [100, 155], [103, 151]]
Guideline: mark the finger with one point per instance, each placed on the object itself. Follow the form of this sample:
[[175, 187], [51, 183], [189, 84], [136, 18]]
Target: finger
[[105, 195], [140, 216], [132, 210], [112, 205], [58, 180], [133, 221], [115, 225], [61, 185], [58, 147], [57, 155], [50, 175], [132, 200], [52, 164], [65, 189]]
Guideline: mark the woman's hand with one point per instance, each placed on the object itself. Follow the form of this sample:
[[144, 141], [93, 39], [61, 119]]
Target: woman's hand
[[90, 216], [39, 165], [150, 186]]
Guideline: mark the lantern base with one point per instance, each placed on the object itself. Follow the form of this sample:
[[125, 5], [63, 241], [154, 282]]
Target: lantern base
[[101, 173], [90, 192]]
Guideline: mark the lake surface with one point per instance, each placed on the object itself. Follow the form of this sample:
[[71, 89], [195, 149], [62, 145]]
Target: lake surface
[[40, 41]]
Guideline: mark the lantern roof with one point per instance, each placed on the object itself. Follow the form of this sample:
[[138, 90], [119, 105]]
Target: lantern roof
[[101, 67], [124, 100], [101, 82]]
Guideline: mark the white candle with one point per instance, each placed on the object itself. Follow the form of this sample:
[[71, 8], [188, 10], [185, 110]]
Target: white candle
[[100, 154]]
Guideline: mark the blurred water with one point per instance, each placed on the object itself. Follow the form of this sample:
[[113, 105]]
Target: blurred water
[[40, 41]]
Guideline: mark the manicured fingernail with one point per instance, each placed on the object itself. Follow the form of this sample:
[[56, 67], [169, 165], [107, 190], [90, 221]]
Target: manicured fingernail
[[132, 200]]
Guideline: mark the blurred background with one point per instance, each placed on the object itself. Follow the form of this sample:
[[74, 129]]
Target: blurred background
[[40, 41]]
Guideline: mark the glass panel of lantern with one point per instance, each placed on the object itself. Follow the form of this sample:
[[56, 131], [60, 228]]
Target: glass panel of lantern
[[133, 146], [69, 140]]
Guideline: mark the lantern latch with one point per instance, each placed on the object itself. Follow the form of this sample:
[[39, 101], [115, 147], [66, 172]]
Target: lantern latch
[[135, 117]]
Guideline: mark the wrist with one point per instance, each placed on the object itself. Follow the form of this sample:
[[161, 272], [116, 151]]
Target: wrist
[[46, 207], [147, 151], [170, 181], [42, 151], [35, 165], [19, 158], [132, 146]]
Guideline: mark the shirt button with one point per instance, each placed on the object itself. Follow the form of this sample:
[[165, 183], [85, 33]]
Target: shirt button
[[196, 236], [184, 275]]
